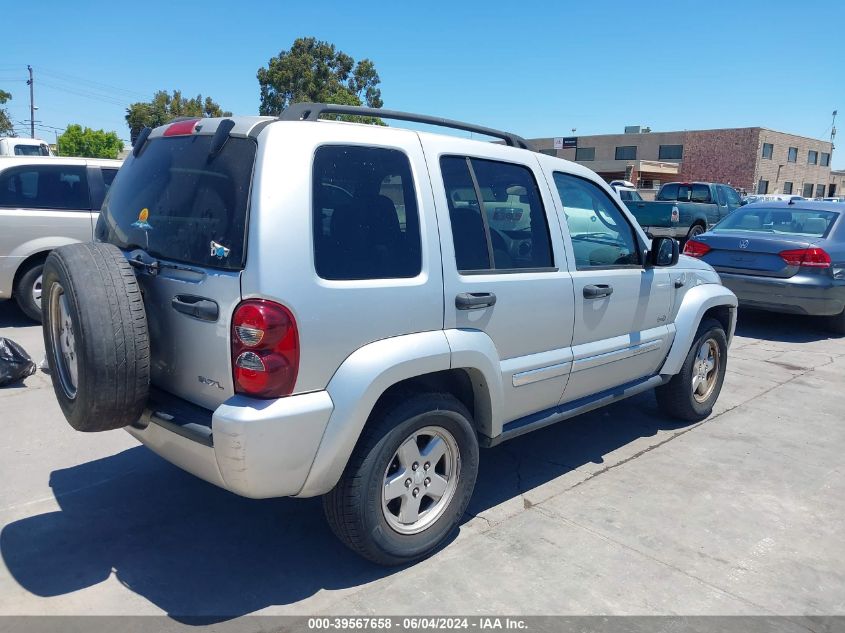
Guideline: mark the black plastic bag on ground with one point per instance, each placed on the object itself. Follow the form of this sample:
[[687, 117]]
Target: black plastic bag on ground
[[15, 363]]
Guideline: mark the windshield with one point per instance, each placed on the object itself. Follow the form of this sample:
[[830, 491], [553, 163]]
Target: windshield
[[177, 203], [684, 193], [783, 221]]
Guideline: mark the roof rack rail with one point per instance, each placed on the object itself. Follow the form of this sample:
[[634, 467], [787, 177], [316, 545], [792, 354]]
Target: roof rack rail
[[312, 112]]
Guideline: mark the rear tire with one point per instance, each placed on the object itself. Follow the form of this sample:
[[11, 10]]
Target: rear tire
[[28, 291], [695, 231], [362, 510], [691, 394], [95, 335]]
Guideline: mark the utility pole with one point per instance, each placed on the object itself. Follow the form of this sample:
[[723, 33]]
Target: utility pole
[[31, 83]]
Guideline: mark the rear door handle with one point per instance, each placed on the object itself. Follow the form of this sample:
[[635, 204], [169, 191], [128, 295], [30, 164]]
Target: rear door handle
[[474, 300], [197, 307], [598, 290]]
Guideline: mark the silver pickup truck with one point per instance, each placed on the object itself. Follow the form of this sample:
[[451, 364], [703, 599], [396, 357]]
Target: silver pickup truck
[[301, 307]]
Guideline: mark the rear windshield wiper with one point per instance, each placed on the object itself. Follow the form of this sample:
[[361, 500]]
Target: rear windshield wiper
[[139, 258]]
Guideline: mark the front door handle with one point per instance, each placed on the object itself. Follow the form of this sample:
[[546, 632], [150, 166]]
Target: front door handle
[[598, 290], [474, 300], [197, 307]]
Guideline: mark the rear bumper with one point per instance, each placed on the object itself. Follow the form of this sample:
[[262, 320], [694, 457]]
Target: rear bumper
[[802, 294], [254, 448]]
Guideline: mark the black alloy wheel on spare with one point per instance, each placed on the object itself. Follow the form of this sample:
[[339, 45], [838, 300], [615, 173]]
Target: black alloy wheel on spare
[[95, 334]]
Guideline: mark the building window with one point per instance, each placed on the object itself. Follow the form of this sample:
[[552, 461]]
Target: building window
[[670, 152], [808, 190], [812, 157], [626, 152], [585, 153], [768, 150], [825, 159], [787, 187], [819, 191], [763, 186], [792, 155]]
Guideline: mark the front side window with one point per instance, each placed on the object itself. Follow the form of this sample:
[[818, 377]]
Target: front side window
[[792, 155], [497, 217], [720, 192], [733, 197], [768, 150], [601, 235], [670, 152], [812, 157], [365, 219], [45, 187], [626, 152]]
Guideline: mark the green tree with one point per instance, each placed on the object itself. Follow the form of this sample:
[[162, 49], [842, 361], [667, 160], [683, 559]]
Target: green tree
[[164, 107], [6, 127], [76, 141], [313, 70]]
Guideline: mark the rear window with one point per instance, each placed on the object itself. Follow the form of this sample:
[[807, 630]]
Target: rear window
[[684, 193], [177, 203], [32, 150], [784, 221]]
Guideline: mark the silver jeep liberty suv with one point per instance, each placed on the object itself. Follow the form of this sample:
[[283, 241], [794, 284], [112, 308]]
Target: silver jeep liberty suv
[[296, 307]]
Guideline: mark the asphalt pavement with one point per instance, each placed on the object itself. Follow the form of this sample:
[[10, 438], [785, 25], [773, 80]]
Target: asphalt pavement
[[621, 511]]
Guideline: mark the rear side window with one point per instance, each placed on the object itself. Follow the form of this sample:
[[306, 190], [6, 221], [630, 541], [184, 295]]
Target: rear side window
[[177, 202], [366, 224], [685, 193], [45, 187], [498, 220]]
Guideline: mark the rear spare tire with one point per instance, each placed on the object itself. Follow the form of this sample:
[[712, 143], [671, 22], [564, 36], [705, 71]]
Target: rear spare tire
[[95, 334]]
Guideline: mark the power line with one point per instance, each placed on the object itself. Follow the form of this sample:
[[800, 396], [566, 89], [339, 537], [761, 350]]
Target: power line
[[87, 94], [98, 85]]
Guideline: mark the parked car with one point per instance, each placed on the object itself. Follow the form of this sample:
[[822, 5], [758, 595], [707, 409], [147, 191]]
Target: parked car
[[15, 146], [835, 199], [627, 194], [301, 307], [45, 203], [684, 210], [771, 197], [781, 256]]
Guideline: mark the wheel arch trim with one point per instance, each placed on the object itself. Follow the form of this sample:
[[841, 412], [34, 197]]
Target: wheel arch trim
[[696, 302]]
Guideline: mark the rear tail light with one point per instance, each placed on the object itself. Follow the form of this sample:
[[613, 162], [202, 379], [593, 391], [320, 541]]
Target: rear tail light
[[676, 214], [265, 349], [696, 249], [811, 257]]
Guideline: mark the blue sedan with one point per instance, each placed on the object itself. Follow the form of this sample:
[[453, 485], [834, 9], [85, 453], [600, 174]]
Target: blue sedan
[[782, 257]]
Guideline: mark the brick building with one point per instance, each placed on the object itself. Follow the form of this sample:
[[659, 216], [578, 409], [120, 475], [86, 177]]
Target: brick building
[[837, 182], [754, 159]]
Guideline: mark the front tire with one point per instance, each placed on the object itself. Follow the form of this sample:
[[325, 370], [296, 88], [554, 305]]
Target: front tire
[[691, 394], [408, 481]]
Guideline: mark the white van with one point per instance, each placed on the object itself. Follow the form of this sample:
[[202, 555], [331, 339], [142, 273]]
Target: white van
[[14, 146]]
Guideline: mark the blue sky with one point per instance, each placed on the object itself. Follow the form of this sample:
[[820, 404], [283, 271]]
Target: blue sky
[[537, 68]]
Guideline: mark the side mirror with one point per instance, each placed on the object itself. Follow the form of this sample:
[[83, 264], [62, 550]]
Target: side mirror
[[664, 252]]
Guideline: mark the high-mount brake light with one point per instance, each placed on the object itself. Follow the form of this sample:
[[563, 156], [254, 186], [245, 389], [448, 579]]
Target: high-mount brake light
[[809, 257], [694, 248], [181, 128], [265, 349]]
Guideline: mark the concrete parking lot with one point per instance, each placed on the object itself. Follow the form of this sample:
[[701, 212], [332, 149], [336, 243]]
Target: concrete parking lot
[[621, 511]]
